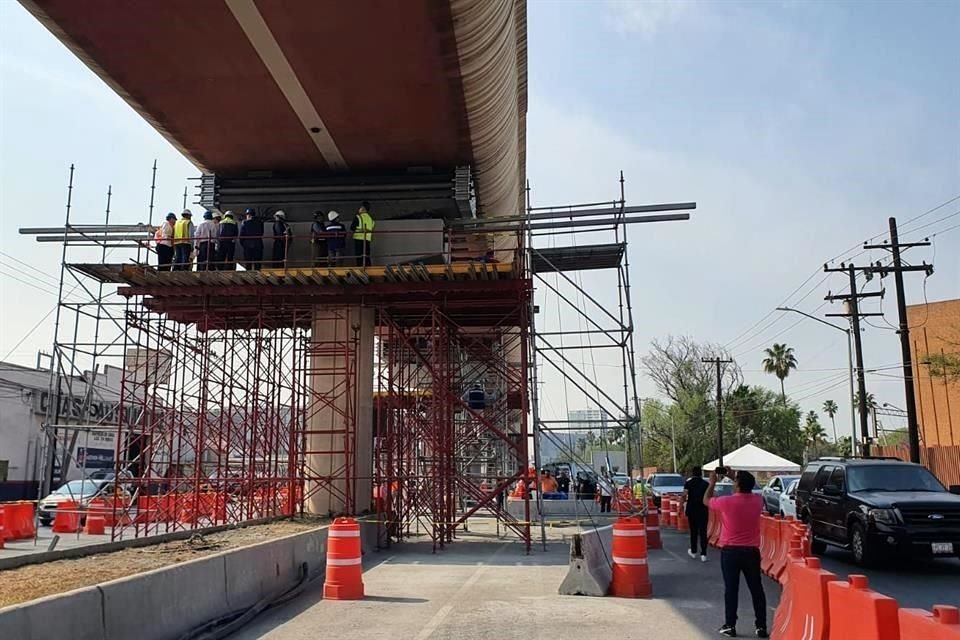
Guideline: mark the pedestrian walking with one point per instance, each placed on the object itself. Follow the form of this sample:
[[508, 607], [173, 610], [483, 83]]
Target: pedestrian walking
[[697, 514], [163, 237], [206, 238], [739, 547], [605, 487], [362, 227], [251, 241], [336, 239], [227, 243], [282, 237], [183, 232]]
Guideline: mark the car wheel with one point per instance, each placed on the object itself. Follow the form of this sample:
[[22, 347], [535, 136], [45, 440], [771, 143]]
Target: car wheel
[[863, 553], [818, 547], [45, 523]]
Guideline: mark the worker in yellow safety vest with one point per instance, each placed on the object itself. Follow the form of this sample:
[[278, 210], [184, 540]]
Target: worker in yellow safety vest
[[362, 228], [183, 241]]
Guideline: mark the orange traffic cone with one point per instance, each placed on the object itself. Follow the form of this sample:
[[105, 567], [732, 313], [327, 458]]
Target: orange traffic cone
[[631, 575], [344, 580]]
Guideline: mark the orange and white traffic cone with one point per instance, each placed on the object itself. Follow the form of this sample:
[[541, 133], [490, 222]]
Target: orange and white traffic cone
[[344, 580]]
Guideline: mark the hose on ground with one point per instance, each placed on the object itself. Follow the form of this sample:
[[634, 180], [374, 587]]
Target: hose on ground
[[223, 626]]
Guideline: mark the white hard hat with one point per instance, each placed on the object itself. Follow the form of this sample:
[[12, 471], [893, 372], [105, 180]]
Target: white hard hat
[[187, 212], [333, 215], [280, 214]]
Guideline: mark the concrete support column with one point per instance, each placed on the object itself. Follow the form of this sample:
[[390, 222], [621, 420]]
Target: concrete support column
[[339, 443]]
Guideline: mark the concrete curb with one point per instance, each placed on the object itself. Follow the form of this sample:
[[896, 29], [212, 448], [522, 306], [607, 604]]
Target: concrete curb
[[132, 543], [167, 602]]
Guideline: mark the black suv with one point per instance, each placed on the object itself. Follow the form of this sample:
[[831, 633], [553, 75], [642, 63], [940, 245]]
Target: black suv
[[878, 507]]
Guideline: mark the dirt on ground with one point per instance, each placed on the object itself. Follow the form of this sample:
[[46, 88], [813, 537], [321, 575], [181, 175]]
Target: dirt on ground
[[39, 580]]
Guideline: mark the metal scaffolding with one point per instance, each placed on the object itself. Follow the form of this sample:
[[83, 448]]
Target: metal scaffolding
[[245, 395]]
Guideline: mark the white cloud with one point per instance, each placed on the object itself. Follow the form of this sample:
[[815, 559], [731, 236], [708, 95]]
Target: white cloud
[[647, 17]]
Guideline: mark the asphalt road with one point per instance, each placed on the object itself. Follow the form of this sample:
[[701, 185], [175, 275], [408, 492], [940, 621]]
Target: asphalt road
[[916, 583]]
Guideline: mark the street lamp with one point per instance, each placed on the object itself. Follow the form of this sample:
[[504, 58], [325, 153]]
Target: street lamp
[[846, 330]]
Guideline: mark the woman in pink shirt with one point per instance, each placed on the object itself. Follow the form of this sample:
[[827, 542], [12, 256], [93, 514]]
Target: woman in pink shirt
[[739, 547]]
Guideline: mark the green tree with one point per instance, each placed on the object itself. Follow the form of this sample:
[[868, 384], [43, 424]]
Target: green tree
[[758, 415], [845, 446], [779, 361], [830, 408], [871, 401], [944, 365], [813, 430]]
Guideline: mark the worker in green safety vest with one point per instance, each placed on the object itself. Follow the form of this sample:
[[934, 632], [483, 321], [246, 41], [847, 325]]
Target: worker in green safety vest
[[362, 227]]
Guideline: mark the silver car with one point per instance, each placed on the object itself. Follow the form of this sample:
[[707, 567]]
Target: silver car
[[772, 492]]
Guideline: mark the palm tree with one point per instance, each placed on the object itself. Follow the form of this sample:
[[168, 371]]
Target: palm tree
[[779, 361], [830, 408], [813, 430], [871, 401]]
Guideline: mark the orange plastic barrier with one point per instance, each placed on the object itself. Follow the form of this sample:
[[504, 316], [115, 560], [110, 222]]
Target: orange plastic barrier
[[857, 612], [806, 612], [2, 528], [631, 575], [17, 520], [919, 624], [674, 510], [769, 540], [94, 525], [786, 536], [67, 519], [344, 579], [682, 523], [714, 527]]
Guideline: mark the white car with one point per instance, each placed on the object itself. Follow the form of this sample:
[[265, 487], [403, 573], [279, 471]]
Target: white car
[[788, 500], [774, 490]]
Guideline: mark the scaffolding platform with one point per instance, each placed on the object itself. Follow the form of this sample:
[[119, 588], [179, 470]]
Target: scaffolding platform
[[593, 256]]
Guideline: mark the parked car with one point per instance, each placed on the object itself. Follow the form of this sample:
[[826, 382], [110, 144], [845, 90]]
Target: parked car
[[788, 500], [621, 480], [878, 508], [661, 484], [80, 491], [723, 488], [774, 489]]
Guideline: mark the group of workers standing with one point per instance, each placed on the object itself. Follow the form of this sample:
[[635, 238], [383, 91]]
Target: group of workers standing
[[214, 241]]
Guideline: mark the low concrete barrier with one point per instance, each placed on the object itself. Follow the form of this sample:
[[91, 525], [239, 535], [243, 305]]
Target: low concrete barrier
[[166, 603], [590, 571]]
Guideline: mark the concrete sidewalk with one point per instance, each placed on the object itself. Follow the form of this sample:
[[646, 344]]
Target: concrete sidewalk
[[482, 588]]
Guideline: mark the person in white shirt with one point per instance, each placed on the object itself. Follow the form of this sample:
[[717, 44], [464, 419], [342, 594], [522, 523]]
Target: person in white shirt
[[206, 238]]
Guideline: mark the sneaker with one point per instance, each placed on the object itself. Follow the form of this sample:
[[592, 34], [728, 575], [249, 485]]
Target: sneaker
[[691, 554], [703, 558], [762, 632], [730, 632]]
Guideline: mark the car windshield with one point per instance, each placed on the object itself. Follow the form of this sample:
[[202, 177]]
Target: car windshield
[[78, 488], [788, 480], [792, 487], [668, 481], [893, 477]]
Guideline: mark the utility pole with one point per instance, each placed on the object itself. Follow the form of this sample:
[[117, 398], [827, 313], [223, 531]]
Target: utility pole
[[853, 301], [718, 361], [898, 268]]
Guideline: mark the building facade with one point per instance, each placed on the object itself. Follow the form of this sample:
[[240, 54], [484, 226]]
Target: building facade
[[935, 347]]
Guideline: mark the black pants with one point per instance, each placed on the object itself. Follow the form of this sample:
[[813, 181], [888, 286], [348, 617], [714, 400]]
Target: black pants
[[361, 250], [733, 562], [253, 255], [279, 253], [164, 257], [605, 504], [206, 254], [225, 255], [698, 530]]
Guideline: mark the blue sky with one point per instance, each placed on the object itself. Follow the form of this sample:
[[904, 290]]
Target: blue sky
[[798, 127]]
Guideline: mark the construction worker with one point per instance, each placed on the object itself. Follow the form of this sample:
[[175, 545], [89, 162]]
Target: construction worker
[[251, 240], [282, 237], [164, 239], [362, 227], [226, 249], [336, 238], [318, 239], [563, 483], [477, 397], [206, 238], [183, 232]]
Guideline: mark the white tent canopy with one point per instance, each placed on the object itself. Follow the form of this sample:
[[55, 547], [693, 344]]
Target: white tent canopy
[[754, 459]]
